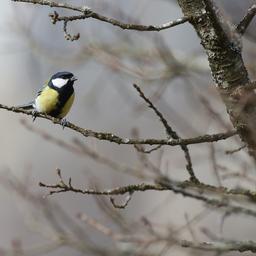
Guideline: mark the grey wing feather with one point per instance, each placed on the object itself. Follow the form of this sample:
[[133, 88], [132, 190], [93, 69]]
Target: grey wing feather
[[38, 93], [29, 105]]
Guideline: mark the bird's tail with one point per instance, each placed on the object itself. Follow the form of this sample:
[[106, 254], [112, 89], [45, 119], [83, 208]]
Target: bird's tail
[[27, 106]]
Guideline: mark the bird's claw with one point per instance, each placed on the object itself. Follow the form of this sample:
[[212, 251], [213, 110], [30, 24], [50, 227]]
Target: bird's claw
[[34, 115], [63, 122]]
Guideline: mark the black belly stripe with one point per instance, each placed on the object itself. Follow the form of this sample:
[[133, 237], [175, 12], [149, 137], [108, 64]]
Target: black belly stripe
[[64, 94]]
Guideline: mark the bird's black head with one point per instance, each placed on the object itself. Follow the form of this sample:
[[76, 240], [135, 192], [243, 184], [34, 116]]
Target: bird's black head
[[62, 79]]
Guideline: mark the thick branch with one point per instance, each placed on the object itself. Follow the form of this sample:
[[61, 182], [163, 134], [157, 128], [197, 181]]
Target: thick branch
[[218, 246], [227, 67]]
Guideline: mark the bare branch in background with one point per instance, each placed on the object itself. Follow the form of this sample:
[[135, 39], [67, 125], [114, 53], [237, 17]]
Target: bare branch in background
[[88, 13], [229, 152], [79, 148], [205, 246], [131, 236], [214, 164], [220, 248], [195, 190]]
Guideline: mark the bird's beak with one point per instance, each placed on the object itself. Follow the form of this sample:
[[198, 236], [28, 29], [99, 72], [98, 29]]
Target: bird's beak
[[73, 79]]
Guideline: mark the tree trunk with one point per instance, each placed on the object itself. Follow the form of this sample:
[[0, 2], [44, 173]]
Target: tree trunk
[[222, 47]]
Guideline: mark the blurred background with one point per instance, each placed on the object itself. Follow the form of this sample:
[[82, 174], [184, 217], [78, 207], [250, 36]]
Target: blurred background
[[172, 70]]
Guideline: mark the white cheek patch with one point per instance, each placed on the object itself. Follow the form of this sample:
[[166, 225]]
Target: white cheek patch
[[59, 82]]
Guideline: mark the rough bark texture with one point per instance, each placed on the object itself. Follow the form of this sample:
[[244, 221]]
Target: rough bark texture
[[227, 66]]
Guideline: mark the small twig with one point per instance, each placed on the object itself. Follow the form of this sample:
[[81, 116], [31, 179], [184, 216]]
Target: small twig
[[100, 227], [49, 248], [149, 226], [146, 162], [215, 115], [141, 148], [170, 133], [189, 227], [52, 4], [109, 232], [212, 236], [147, 151], [122, 206], [245, 22], [55, 18], [240, 176], [232, 151], [214, 164], [67, 35]]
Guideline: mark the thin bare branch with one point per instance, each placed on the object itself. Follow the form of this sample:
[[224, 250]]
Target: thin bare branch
[[170, 133], [122, 25], [214, 164], [126, 141], [147, 151], [61, 186], [99, 226], [232, 151], [88, 13], [54, 4], [67, 35], [199, 191], [124, 204], [36, 250]]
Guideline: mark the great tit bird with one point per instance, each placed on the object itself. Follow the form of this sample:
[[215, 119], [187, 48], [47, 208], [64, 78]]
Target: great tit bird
[[56, 97]]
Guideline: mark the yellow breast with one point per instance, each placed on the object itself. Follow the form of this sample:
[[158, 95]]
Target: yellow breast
[[47, 100]]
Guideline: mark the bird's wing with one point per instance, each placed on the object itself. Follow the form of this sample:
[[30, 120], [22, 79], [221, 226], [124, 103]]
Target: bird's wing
[[29, 105], [40, 91]]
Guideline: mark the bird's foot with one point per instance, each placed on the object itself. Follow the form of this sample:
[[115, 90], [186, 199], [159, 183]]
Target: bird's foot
[[63, 123], [34, 115]]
